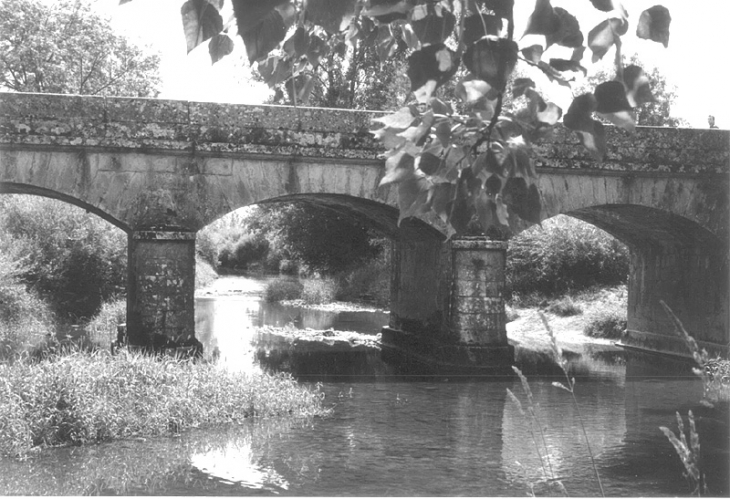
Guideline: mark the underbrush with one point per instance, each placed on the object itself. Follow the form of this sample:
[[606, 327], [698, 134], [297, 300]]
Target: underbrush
[[564, 254], [82, 398], [283, 289]]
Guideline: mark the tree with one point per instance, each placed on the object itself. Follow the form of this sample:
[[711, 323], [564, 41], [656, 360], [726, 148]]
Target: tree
[[468, 162], [654, 112], [64, 47]]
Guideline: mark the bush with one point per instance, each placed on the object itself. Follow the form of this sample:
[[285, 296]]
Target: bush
[[565, 307], [204, 273], [244, 251], [283, 289], [609, 324], [369, 282], [102, 328], [74, 259], [564, 254], [319, 290]]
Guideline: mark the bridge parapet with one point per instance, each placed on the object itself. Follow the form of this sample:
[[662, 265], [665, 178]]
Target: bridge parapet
[[218, 129]]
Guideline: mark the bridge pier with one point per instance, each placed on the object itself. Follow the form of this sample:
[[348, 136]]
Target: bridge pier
[[447, 311], [693, 281], [161, 289]]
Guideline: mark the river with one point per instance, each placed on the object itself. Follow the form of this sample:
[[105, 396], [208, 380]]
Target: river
[[389, 435]]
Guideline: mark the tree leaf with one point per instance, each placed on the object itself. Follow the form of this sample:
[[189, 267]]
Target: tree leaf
[[432, 23], [502, 8], [316, 49], [386, 43], [440, 107], [333, 15], [479, 25], [602, 37], [520, 86], [201, 21], [219, 46], [543, 20], [398, 168], [430, 68], [428, 163], [613, 104], [654, 24], [472, 90], [638, 89], [261, 25], [568, 33], [550, 115], [591, 132], [558, 384], [413, 194], [603, 5], [533, 53], [567, 65], [400, 120], [492, 60], [386, 11]]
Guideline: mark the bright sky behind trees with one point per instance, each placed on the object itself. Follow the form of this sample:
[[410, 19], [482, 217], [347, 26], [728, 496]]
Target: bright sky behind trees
[[694, 60]]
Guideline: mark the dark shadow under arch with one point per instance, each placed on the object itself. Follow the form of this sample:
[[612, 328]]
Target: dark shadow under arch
[[640, 226], [379, 216], [15, 188]]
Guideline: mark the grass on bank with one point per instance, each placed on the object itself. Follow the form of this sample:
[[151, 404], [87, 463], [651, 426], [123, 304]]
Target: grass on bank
[[81, 398]]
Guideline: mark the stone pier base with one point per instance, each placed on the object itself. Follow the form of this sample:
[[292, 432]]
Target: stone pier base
[[161, 290], [456, 324]]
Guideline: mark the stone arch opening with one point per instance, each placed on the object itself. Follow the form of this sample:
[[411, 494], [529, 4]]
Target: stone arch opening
[[675, 260], [17, 188]]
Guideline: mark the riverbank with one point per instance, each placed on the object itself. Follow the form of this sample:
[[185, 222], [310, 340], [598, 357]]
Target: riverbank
[[80, 398]]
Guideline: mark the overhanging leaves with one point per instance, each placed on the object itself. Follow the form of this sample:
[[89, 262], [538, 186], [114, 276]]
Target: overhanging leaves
[[492, 60], [638, 89], [477, 26], [654, 25], [220, 46], [611, 102], [432, 23], [201, 21], [603, 36], [430, 68], [261, 25], [332, 15]]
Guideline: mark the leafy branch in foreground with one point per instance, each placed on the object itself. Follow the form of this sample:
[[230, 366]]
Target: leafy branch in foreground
[[468, 161]]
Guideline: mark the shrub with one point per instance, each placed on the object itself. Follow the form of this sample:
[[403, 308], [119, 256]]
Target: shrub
[[204, 273], [75, 259], [369, 282], [564, 254], [608, 324], [565, 307], [283, 289], [319, 290], [102, 328]]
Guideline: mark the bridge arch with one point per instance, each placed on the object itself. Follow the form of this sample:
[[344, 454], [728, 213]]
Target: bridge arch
[[18, 188]]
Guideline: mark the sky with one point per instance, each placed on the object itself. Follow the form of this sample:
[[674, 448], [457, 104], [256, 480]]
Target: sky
[[694, 61]]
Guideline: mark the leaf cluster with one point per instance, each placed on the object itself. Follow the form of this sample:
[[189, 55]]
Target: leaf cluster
[[467, 161]]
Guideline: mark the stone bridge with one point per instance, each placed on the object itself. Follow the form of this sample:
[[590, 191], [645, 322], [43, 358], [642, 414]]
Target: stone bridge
[[161, 170]]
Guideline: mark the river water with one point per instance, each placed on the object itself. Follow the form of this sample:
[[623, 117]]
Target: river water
[[389, 435]]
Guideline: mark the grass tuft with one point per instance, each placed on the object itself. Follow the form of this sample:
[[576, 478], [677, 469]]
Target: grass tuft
[[82, 398], [565, 307]]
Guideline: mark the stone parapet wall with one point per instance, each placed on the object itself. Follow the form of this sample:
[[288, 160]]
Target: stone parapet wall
[[217, 129]]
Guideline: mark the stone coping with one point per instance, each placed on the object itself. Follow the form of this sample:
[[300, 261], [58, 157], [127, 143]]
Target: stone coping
[[219, 129]]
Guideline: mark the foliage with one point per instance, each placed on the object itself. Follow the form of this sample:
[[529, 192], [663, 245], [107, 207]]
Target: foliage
[[654, 112], [283, 289], [319, 290], [565, 307], [564, 254], [247, 249], [82, 398], [64, 47], [465, 166], [102, 328], [609, 324], [319, 238], [368, 282], [74, 259]]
